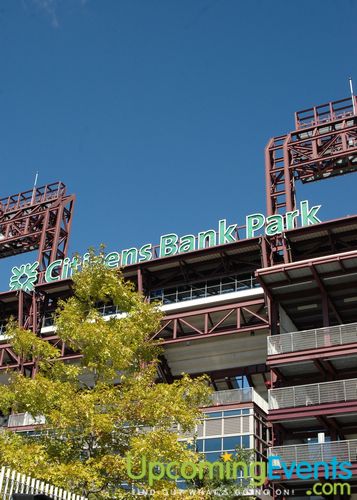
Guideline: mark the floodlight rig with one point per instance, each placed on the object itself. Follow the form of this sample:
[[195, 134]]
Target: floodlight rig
[[323, 145], [38, 219]]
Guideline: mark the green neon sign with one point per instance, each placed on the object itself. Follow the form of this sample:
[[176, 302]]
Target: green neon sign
[[25, 276]]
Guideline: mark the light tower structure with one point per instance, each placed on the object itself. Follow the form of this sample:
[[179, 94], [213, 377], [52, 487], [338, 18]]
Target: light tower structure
[[310, 283], [38, 219], [323, 145]]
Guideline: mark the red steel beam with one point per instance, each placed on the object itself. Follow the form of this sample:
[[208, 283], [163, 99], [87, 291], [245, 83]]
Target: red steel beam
[[341, 407], [231, 314], [311, 354]]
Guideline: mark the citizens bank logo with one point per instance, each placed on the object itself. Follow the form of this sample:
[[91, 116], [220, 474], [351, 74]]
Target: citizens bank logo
[[24, 277], [256, 474]]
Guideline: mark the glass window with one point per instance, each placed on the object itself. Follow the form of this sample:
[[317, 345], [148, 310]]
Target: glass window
[[245, 482], [229, 413], [215, 414], [231, 443], [199, 445], [214, 444], [190, 445], [246, 411], [181, 484], [240, 472], [246, 441], [213, 457]]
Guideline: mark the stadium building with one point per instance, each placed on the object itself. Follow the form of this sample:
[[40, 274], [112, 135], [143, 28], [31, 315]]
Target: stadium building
[[267, 310]]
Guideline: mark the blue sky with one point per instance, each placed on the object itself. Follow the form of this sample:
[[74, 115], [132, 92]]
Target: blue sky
[[156, 112]]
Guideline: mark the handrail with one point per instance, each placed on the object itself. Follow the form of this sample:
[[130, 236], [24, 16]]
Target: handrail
[[312, 339], [337, 391], [313, 452], [32, 196]]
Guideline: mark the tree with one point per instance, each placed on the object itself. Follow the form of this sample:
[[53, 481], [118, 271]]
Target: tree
[[105, 406]]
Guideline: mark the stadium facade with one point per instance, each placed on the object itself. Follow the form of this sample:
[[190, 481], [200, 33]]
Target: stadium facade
[[268, 310]]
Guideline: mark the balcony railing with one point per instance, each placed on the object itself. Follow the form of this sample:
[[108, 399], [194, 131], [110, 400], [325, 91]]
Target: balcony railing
[[312, 339], [180, 294], [219, 398], [344, 451], [104, 310], [204, 289], [24, 419], [313, 394], [232, 396]]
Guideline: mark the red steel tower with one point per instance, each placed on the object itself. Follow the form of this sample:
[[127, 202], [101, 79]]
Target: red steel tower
[[323, 145], [38, 219], [310, 282]]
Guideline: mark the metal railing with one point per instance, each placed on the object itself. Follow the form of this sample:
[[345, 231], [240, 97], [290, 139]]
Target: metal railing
[[12, 482], [232, 396], [315, 452], [324, 113], [24, 419], [313, 394], [32, 196], [104, 310], [180, 294], [204, 289], [312, 339]]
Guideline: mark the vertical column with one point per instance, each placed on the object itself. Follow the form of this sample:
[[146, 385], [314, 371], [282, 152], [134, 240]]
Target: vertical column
[[140, 280], [21, 308], [325, 313], [288, 177], [34, 312]]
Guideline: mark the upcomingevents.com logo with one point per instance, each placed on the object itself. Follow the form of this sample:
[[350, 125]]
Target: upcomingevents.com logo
[[323, 489], [216, 493], [257, 474]]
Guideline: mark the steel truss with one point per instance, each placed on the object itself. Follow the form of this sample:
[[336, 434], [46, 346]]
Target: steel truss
[[323, 145], [38, 219], [214, 321]]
